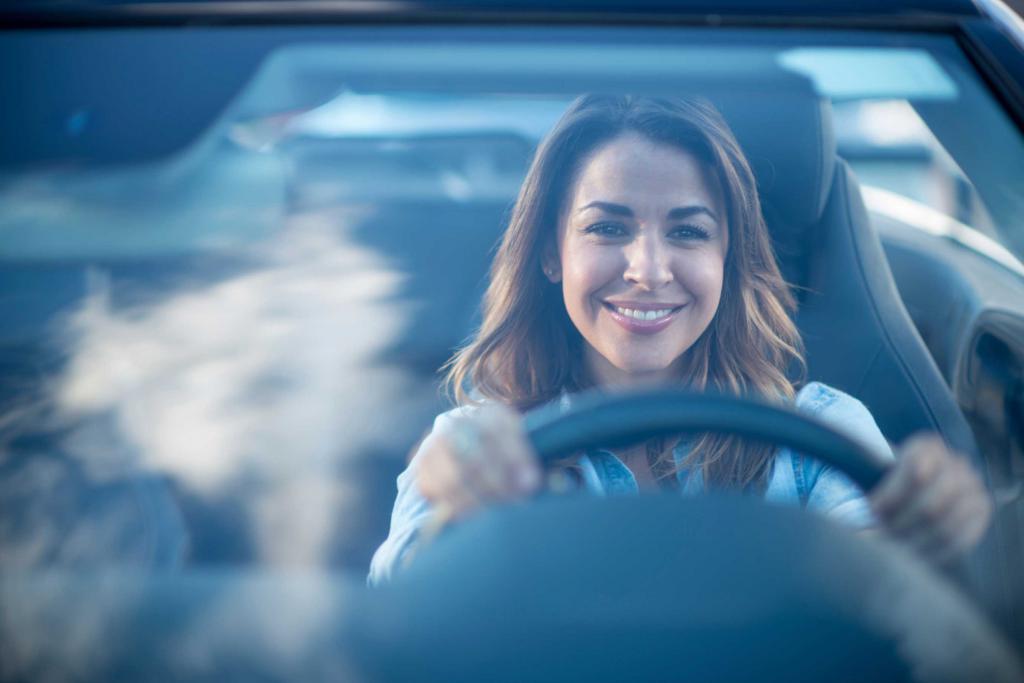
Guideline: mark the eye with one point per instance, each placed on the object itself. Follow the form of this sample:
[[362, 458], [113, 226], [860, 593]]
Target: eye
[[689, 232], [606, 229]]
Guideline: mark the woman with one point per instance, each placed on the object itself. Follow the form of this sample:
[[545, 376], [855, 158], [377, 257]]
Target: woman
[[637, 254]]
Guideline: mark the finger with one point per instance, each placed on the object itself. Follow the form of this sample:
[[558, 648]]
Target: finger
[[474, 461], [963, 520], [494, 465], [917, 465], [478, 446], [898, 480], [935, 538], [519, 465], [441, 480], [461, 490], [928, 507], [527, 469], [487, 475], [516, 473], [960, 532]]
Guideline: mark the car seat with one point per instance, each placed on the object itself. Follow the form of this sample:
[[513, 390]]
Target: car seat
[[858, 334]]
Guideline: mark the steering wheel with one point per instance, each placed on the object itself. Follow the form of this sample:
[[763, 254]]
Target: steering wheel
[[638, 587], [622, 419]]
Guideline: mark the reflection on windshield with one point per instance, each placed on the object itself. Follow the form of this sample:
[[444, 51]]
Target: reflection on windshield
[[257, 384], [119, 625], [257, 394]]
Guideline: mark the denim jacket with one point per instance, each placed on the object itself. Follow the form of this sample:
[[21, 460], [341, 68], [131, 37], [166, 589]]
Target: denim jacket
[[794, 478]]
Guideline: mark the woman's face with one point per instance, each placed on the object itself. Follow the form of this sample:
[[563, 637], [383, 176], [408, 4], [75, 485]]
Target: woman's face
[[641, 242]]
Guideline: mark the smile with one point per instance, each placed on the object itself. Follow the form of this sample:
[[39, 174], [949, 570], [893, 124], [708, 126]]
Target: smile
[[642, 321], [643, 315]]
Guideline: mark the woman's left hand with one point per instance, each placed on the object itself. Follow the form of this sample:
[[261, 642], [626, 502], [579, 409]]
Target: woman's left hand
[[932, 500]]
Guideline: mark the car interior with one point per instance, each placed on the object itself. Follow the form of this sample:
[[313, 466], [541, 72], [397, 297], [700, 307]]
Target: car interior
[[852, 313]]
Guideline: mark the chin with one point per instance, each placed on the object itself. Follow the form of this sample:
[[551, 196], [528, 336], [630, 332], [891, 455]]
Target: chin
[[644, 367]]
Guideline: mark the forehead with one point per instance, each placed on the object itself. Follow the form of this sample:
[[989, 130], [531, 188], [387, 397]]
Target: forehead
[[639, 172]]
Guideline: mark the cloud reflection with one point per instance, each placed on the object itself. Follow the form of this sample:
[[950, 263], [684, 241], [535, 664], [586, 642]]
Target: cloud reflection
[[201, 626], [262, 382], [257, 388]]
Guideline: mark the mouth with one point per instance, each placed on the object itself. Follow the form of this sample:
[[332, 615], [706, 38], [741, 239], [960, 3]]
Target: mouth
[[647, 319]]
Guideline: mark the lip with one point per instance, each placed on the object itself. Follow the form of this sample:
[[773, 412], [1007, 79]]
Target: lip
[[643, 306], [641, 326]]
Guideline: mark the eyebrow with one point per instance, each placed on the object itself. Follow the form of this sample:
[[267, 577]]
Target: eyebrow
[[678, 213]]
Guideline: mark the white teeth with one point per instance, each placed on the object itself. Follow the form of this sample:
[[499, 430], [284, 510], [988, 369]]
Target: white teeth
[[643, 315]]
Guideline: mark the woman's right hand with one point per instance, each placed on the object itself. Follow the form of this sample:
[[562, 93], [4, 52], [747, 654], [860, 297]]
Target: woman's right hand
[[477, 459]]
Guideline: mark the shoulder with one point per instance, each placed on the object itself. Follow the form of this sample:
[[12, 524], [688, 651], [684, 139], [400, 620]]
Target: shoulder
[[819, 486], [816, 397], [842, 412]]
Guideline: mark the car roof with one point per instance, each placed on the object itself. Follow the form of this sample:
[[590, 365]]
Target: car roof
[[776, 12]]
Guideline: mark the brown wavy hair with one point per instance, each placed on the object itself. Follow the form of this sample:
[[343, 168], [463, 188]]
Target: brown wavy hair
[[527, 351]]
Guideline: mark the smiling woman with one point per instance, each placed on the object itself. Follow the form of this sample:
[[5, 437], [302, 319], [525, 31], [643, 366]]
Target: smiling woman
[[638, 254], [675, 168]]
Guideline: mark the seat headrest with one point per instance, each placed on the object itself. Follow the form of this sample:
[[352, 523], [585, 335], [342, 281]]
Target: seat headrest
[[787, 136]]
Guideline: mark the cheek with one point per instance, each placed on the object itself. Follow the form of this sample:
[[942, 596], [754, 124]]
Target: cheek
[[703, 277], [586, 270]]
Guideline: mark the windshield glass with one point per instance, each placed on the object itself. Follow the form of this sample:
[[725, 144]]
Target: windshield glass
[[254, 323], [227, 303], [292, 279]]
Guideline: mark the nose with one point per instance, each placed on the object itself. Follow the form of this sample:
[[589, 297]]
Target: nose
[[647, 263]]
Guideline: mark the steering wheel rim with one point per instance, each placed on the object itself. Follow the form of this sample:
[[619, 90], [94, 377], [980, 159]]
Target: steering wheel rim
[[610, 420]]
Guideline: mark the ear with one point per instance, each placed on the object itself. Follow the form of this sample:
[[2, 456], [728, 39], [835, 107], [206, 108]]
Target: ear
[[551, 266]]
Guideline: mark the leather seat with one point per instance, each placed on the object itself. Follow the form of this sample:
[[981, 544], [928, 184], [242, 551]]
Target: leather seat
[[858, 334]]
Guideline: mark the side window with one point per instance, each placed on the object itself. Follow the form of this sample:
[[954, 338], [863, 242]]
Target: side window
[[891, 148]]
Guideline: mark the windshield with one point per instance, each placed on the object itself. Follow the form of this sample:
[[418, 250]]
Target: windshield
[[225, 317], [292, 279]]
